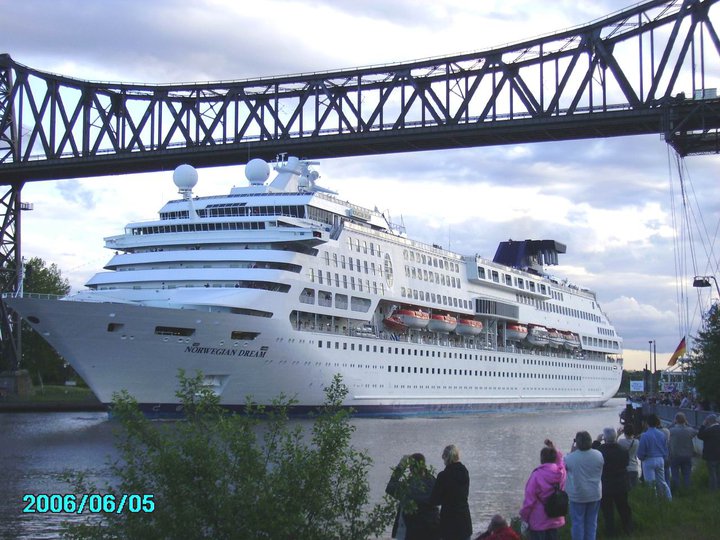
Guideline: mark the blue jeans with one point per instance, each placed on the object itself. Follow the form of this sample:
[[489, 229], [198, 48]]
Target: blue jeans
[[654, 473], [583, 518], [681, 466]]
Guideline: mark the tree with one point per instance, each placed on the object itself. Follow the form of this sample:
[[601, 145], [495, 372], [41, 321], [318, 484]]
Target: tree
[[234, 476], [38, 357], [706, 356]]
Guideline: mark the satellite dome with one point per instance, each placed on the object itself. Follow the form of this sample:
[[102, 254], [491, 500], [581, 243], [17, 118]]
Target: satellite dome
[[257, 171], [185, 177]]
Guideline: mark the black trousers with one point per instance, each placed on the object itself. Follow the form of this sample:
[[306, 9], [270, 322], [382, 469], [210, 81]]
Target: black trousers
[[618, 500]]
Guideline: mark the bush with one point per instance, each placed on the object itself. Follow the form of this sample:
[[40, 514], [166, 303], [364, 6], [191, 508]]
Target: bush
[[222, 476]]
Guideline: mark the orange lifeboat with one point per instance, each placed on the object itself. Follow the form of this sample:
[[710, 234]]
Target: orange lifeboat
[[442, 323], [555, 338], [571, 341], [515, 332], [538, 335], [394, 323], [468, 327], [412, 318]]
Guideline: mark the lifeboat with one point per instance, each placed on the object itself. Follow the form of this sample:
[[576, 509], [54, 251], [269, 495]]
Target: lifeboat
[[538, 335], [571, 341], [442, 323], [515, 332], [468, 327], [555, 339], [394, 323], [412, 318]]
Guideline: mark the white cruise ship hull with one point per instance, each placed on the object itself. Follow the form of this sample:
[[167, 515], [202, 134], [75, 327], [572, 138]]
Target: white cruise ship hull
[[115, 346]]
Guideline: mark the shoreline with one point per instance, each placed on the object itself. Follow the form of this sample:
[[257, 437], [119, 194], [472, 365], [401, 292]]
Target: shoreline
[[51, 406]]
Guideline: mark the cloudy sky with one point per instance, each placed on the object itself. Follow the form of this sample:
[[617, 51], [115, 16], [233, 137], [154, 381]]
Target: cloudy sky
[[610, 201]]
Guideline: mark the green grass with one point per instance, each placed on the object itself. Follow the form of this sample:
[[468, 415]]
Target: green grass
[[55, 394], [693, 514]]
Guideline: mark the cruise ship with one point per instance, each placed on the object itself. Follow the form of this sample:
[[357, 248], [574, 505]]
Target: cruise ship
[[280, 284]]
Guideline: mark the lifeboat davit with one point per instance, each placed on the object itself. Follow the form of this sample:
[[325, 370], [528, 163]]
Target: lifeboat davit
[[442, 323], [468, 327], [555, 338], [538, 335], [571, 341], [412, 318], [515, 332]]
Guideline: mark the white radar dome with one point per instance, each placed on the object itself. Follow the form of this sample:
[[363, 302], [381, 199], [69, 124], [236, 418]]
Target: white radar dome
[[257, 171], [185, 177]]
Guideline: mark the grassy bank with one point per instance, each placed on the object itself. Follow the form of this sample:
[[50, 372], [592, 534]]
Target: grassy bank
[[692, 515], [52, 397]]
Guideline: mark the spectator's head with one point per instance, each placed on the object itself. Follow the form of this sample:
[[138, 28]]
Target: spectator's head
[[629, 430], [583, 440], [548, 455], [497, 522], [680, 418], [451, 454], [609, 435], [653, 421]]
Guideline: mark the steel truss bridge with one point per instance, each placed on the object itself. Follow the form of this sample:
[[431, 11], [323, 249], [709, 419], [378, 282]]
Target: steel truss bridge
[[651, 68]]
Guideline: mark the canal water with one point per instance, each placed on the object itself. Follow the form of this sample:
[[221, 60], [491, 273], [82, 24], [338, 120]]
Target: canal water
[[500, 449]]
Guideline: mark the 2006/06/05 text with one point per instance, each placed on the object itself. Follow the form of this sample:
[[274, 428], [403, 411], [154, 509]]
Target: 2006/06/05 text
[[69, 503]]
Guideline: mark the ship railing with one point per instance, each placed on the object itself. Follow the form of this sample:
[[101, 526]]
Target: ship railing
[[39, 296]]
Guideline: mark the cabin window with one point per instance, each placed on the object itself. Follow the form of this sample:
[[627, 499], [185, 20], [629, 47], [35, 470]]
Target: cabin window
[[360, 304], [114, 327], [307, 296], [173, 331], [325, 298]]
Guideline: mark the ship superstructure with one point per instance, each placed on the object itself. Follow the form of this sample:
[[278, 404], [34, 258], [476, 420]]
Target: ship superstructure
[[277, 286]]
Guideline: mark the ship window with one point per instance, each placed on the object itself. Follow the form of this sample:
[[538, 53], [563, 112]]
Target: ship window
[[241, 335], [173, 331], [341, 301], [324, 298], [251, 312], [359, 304], [112, 327]]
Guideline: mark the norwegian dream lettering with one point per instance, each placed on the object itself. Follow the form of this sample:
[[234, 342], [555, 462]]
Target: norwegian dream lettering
[[219, 351]]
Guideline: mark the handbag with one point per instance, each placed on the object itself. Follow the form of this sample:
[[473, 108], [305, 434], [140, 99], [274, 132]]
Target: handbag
[[556, 505]]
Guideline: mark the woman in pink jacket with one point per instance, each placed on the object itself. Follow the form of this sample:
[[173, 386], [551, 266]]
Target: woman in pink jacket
[[538, 488]]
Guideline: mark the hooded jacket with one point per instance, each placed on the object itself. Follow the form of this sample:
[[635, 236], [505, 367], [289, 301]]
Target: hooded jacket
[[537, 489]]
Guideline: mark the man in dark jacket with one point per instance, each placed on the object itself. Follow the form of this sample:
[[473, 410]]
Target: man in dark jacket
[[614, 481], [451, 493], [709, 434]]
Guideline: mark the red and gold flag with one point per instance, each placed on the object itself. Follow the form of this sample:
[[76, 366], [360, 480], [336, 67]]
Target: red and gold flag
[[678, 353]]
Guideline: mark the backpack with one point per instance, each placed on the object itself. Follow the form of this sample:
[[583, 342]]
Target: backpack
[[556, 505]]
